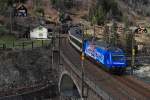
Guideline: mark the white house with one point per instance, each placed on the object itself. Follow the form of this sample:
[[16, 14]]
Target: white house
[[39, 32]]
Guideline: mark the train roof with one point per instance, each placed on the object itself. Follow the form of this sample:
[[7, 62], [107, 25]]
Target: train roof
[[104, 45], [76, 31]]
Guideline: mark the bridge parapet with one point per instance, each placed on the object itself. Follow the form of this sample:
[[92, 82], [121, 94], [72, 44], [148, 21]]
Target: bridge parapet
[[92, 89]]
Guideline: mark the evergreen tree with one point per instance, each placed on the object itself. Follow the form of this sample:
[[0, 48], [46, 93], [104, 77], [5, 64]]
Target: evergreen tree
[[102, 8], [5, 3]]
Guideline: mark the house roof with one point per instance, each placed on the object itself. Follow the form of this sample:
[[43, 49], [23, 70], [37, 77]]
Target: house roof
[[20, 5], [37, 26]]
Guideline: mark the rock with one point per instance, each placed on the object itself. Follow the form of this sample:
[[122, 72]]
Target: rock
[[24, 67]]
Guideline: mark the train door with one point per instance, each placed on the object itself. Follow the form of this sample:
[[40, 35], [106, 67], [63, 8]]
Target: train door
[[108, 60]]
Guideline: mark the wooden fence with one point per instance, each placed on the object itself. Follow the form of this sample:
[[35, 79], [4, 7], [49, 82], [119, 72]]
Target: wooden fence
[[25, 44]]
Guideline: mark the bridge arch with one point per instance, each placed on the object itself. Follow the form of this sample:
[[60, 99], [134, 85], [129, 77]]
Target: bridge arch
[[68, 85]]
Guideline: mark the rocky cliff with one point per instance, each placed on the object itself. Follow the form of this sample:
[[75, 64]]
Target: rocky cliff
[[24, 67]]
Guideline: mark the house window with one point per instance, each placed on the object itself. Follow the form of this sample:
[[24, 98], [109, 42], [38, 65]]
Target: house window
[[40, 28], [40, 35]]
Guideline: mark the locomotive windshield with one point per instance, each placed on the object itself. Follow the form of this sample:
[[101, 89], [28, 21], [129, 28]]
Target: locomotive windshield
[[118, 58]]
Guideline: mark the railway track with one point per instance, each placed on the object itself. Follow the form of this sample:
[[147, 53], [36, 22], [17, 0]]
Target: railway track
[[120, 88], [141, 88]]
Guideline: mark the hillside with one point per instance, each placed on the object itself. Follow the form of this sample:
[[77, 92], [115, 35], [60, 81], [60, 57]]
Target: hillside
[[121, 10], [140, 6], [135, 10]]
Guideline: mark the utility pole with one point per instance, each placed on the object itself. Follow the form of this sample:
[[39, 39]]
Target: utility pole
[[114, 32], [53, 47], [10, 16], [133, 53], [94, 22], [60, 63], [82, 63], [109, 32], [84, 90]]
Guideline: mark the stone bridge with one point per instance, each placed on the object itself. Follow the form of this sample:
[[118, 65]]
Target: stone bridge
[[70, 82], [71, 85]]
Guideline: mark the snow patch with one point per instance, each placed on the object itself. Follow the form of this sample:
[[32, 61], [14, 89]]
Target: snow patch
[[143, 71]]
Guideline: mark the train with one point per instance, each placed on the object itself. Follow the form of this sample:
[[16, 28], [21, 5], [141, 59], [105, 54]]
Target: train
[[111, 58]]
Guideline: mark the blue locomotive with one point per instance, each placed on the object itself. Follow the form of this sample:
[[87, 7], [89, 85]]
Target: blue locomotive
[[112, 58]]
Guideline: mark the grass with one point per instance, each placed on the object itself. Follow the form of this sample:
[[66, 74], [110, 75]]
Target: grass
[[3, 29], [9, 40], [36, 43]]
